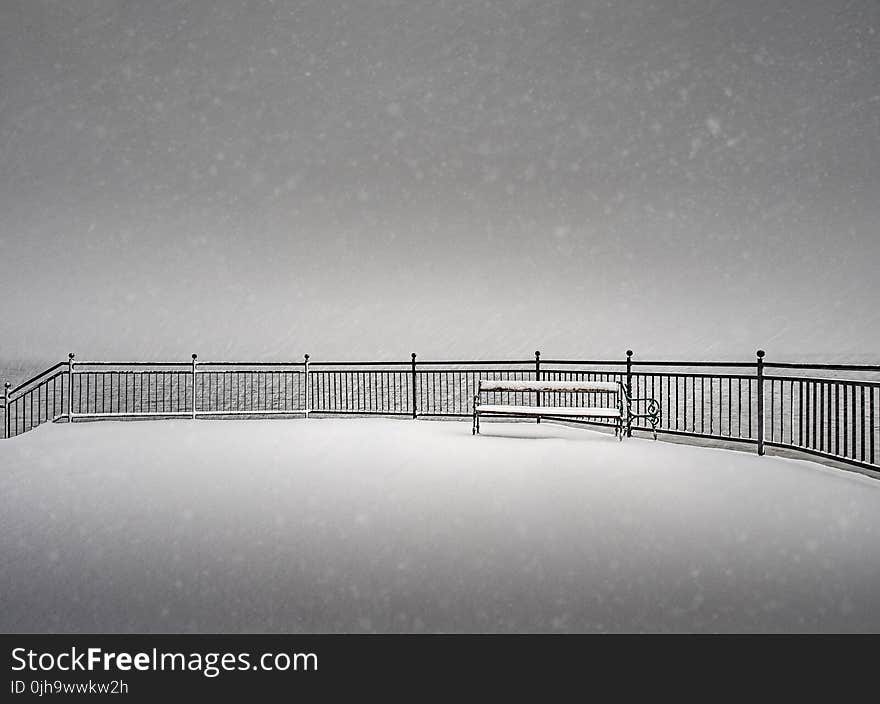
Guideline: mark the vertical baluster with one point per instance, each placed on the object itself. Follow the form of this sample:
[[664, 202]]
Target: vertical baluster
[[749, 406], [862, 422], [854, 423], [684, 405], [815, 415], [872, 391], [807, 412], [829, 420], [772, 410]]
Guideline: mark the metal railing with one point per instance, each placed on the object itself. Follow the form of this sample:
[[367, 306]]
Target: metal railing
[[826, 410]]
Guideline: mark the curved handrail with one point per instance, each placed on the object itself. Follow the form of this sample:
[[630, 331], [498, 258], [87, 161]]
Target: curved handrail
[[37, 377]]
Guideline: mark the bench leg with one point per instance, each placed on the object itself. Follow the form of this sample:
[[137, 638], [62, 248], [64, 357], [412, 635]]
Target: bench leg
[[620, 431]]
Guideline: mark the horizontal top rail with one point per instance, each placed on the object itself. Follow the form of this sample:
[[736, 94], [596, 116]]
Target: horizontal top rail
[[475, 362], [733, 365], [693, 375], [131, 364], [588, 362], [394, 363], [648, 363], [249, 364], [828, 367], [421, 362], [425, 363], [823, 380]]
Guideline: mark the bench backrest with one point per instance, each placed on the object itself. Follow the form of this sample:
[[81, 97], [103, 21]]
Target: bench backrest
[[606, 387]]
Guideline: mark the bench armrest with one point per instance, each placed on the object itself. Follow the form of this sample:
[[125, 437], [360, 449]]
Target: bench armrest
[[651, 414], [652, 408]]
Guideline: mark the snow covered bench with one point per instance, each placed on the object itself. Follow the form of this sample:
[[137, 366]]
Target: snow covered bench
[[619, 407]]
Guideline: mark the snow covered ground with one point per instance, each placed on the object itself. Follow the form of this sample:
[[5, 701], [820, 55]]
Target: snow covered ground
[[327, 525]]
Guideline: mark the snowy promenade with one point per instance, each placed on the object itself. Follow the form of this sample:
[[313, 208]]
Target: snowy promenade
[[329, 525]]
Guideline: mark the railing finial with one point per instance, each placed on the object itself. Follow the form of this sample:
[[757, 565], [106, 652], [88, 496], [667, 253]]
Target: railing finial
[[194, 356], [761, 354], [629, 353], [413, 356], [70, 355], [306, 357]]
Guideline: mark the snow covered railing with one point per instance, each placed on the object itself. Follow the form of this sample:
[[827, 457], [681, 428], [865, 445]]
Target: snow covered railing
[[825, 410], [619, 411]]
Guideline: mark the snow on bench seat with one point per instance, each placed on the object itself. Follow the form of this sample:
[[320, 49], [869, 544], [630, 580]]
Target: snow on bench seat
[[546, 411], [551, 386]]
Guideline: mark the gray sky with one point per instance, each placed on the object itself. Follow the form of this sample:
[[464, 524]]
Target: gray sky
[[363, 179]]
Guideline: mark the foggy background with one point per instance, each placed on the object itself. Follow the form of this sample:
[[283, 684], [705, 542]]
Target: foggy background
[[261, 179]]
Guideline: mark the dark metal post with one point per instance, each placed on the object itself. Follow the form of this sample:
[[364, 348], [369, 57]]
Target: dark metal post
[[306, 366], [760, 355], [538, 378], [414, 412], [6, 407], [70, 387], [193, 381], [629, 392]]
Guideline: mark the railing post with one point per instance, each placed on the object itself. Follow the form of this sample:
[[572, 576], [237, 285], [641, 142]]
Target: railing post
[[629, 392], [6, 423], [414, 410], [538, 378], [306, 366], [760, 374], [70, 371], [193, 382]]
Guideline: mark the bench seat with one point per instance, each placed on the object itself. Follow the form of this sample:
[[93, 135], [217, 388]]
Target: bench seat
[[620, 413], [567, 411]]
